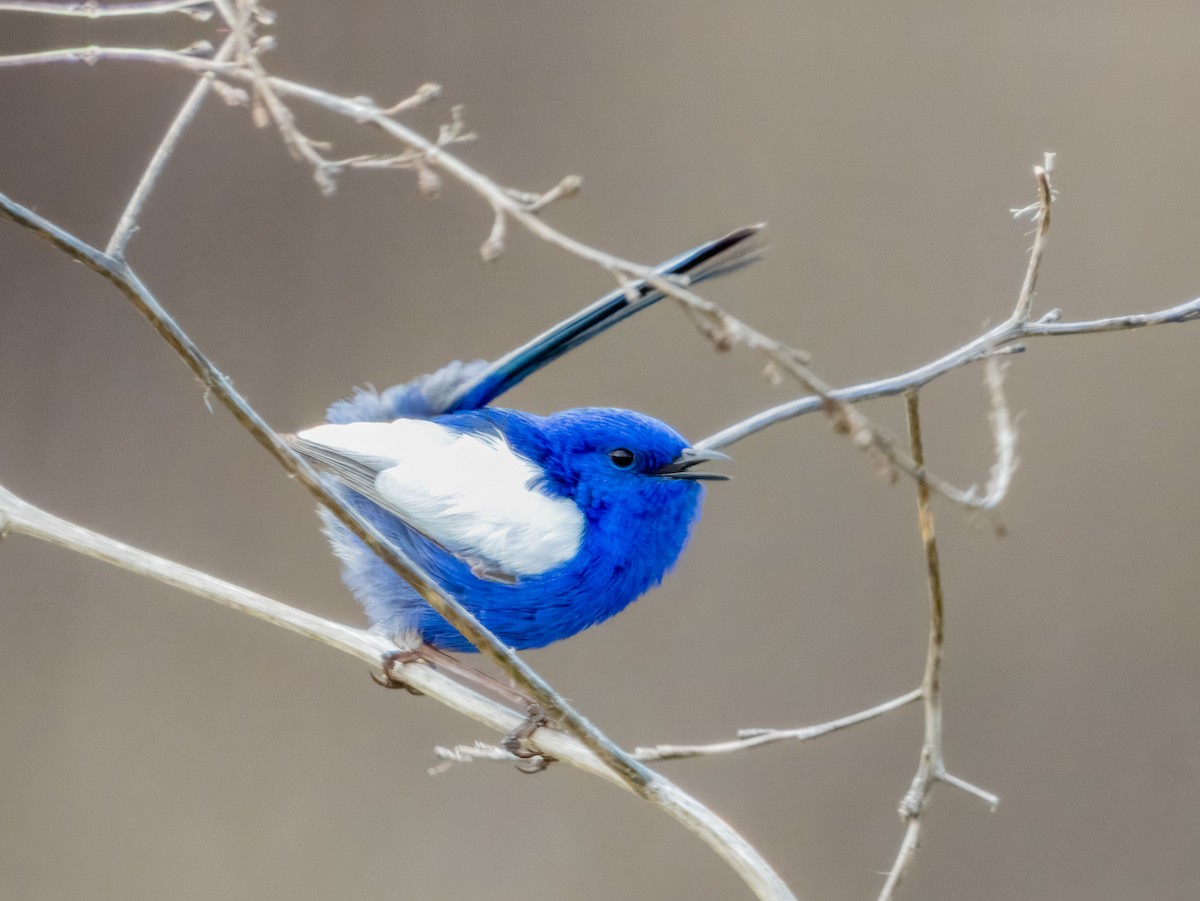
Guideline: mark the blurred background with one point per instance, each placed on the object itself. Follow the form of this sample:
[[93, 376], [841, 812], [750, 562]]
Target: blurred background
[[156, 746]]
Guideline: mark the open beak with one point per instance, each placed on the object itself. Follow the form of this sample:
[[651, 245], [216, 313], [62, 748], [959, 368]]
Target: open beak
[[681, 466]]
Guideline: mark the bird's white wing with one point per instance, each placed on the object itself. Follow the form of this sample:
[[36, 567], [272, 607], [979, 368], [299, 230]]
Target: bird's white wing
[[469, 492]]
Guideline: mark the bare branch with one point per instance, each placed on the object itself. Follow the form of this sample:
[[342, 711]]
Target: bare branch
[[568, 187], [996, 341], [128, 224], [91, 9], [913, 804], [426, 93], [931, 766], [748, 739], [195, 61], [1041, 217], [493, 247], [908, 850], [757, 738], [1189, 311]]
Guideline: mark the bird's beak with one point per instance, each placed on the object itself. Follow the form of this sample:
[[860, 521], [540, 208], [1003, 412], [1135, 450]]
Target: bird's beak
[[681, 466]]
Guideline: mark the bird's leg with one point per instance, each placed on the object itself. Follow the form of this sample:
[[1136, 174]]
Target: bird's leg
[[439, 659], [516, 742], [387, 680]]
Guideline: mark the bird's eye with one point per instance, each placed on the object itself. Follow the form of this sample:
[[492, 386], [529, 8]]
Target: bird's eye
[[622, 458]]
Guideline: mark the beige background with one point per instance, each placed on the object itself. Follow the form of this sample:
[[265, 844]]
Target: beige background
[[155, 746]]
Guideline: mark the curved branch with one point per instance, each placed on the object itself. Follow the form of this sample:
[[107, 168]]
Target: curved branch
[[748, 739], [92, 9], [757, 738], [128, 223], [998, 340], [931, 765], [90, 56]]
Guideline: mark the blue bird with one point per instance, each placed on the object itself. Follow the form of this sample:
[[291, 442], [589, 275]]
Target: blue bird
[[541, 526]]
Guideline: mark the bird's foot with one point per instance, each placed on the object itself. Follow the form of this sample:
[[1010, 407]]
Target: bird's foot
[[519, 745], [387, 677]]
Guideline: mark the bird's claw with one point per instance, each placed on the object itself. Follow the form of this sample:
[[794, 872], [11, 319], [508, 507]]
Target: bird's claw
[[387, 680], [518, 743], [534, 764]]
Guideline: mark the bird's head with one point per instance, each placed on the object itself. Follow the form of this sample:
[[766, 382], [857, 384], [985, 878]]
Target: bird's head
[[602, 457]]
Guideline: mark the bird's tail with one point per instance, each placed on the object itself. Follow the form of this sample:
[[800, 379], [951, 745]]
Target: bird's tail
[[720, 257]]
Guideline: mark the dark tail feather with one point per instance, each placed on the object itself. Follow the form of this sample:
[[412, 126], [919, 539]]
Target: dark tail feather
[[724, 255]]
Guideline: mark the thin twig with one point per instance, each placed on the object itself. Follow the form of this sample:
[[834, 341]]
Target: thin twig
[[931, 682], [908, 850], [91, 9], [913, 805], [931, 765], [1188, 311], [128, 223], [981, 348], [426, 93], [242, 19], [757, 738], [748, 739], [1041, 214], [92, 56]]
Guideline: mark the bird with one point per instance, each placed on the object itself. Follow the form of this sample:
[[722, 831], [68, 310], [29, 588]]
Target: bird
[[541, 526]]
